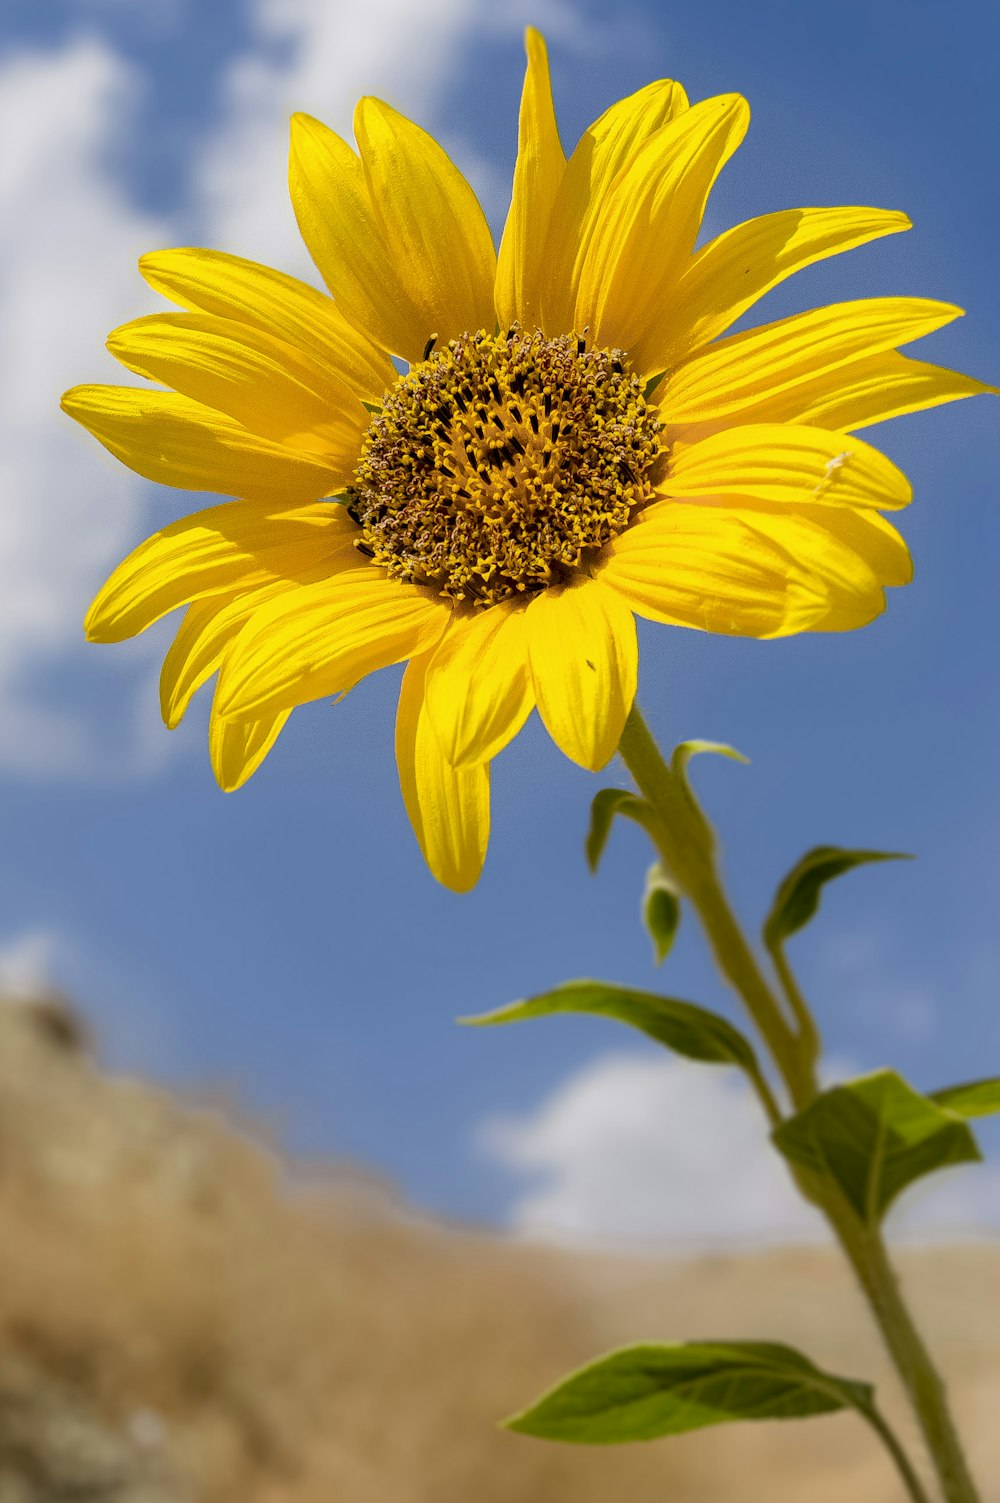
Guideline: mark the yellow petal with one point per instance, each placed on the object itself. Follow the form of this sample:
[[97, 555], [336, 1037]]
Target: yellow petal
[[537, 175], [730, 273], [647, 225], [339, 225], [431, 220], [749, 368], [197, 650], [175, 441], [869, 391], [209, 281], [268, 386], [449, 807], [320, 639], [602, 154], [238, 747], [702, 567], [757, 570], [836, 571], [584, 663], [242, 544], [208, 627], [787, 463], [478, 688]]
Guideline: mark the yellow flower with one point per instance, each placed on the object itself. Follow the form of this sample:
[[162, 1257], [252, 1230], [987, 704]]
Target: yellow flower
[[572, 444]]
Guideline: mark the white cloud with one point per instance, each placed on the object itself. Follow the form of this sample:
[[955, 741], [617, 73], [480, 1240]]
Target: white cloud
[[645, 1150], [641, 1149], [68, 242], [28, 965]]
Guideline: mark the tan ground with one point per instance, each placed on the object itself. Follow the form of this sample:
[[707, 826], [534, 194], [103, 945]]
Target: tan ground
[[177, 1322]]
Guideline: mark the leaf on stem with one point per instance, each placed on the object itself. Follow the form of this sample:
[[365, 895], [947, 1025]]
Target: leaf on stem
[[661, 911], [976, 1098], [606, 804], [691, 1031], [688, 749], [874, 1136], [798, 895], [651, 1390]]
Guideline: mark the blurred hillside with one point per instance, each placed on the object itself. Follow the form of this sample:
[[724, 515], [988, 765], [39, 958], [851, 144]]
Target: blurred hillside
[[185, 1319]]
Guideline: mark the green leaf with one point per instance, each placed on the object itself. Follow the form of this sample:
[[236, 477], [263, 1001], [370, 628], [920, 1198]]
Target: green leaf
[[688, 749], [874, 1136], [605, 805], [661, 911], [681, 1026], [797, 898], [372, 407], [977, 1098], [647, 1391]]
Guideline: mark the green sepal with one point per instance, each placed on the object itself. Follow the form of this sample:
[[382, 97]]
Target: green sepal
[[874, 1136], [976, 1098], [373, 407], [691, 1031], [647, 1391], [605, 805], [798, 895], [661, 911]]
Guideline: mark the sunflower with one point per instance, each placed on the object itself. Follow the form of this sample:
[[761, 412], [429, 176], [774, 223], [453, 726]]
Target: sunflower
[[486, 465]]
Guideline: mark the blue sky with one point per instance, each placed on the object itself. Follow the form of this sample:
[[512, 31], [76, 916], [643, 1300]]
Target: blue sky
[[285, 945]]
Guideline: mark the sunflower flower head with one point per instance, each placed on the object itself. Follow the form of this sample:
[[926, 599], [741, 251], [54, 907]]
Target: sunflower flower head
[[575, 440]]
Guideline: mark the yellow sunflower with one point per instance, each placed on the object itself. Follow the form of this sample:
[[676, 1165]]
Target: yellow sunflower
[[571, 445]]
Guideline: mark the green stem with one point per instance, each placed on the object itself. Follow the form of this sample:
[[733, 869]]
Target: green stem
[[904, 1466], [809, 1041], [685, 844]]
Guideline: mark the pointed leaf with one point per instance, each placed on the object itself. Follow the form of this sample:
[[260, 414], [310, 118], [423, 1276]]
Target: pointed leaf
[[688, 749], [874, 1136], [797, 898], [977, 1098], [647, 1391], [681, 1026], [661, 911], [605, 805]]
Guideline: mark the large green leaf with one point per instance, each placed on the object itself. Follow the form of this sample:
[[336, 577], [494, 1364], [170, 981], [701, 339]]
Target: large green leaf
[[976, 1098], [874, 1136], [681, 1026], [661, 911], [798, 895], [644, 1392], [605, 805]]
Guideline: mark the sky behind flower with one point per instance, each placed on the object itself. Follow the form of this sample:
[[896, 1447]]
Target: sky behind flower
[[286, 943]]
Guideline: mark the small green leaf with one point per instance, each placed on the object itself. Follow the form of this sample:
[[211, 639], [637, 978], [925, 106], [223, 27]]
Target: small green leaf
[[605, 805], [647, 1391], [661, 911], [371, 406], [688, 749], [681, 1026], [797, 898], [977, 1098], [874, 1136]]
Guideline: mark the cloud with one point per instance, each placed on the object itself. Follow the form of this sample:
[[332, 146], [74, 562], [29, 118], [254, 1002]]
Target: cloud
[[643, 1150], [29, 963], [68, 242]]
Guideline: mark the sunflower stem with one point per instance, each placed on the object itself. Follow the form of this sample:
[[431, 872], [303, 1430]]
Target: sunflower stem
[[685, 843]]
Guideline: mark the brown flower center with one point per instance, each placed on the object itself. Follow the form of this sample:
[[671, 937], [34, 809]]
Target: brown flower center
[[503, 462]]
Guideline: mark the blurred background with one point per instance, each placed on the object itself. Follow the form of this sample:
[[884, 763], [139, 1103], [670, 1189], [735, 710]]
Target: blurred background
[[284, 951]]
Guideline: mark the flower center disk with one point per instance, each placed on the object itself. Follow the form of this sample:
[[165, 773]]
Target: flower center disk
[[502, 463]]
